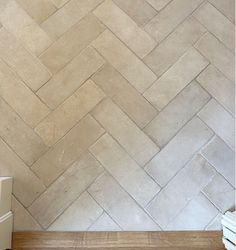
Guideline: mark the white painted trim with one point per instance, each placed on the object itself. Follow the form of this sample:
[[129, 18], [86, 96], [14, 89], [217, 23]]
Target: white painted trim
[[229, 230]]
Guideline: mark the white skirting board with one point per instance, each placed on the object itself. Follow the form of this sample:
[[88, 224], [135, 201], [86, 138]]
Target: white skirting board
[[229, 230], [6, 222]]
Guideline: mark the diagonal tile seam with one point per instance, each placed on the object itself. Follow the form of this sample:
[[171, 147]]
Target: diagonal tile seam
[[206, 227]]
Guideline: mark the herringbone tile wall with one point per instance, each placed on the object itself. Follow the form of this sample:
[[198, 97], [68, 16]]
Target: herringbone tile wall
[[117, 115]]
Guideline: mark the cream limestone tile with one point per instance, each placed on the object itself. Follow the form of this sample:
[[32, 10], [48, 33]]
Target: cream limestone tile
[[132, 139], [219, 155], [220, 193], [39, 10], [71, 43], [216, 23], [78, 216], [176, 78], [170, 17], [24, 28], [59, 3], [125, 28], [66, 81], [219, 87], [121, 207], [123, 60], [20, 97], [174, 46], [65, 190], [26, 185], [217, 54], [215, 224], [125, 170], [28, 67], [158, 4], [219, 120], [72, 12], [23, 221], [177, 193], [179, 151], [195, 216], [67, 150], [104, 223], [20, 137], [62, 119], [177, 113], [124, 95], [139, 10]]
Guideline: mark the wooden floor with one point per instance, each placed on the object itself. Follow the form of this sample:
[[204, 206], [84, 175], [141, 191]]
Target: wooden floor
[[118, 240]]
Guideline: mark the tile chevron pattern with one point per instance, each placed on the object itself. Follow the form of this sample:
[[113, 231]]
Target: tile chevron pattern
[[118, 114]]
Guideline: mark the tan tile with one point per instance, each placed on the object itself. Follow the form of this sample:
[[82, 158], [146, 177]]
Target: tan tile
[[125, 170], [67, 150], [23, 221], [122, 59], [24, 28], [39, 10], [174, 46], [71, 43], [158, 4], [62, 119], [66, 81], [217, 54], [177, 113], [216, 23], [175, 79], [78, 216], [28, 67], [170, 17], [26, 186], [219, 87], [177, 193], [219, 120], [20, 97], [72, 12], [139, 10], [134, 141], [65, 189], [121, 207], [179, 151], [125, 28], [21, 138], [59, 3], [124, 95], [216, 153]]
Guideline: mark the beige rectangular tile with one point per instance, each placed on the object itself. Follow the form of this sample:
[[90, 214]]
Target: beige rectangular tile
[[139, 10], [217, 54], [174, 46], [124, 169], [124, 95], [66, 81], [14, 18], [65, 189], [26, 185], [121, 207], [72, 12], [67, 150], [158, 4], [125, 28], [219, 120], [78, 216], [20, 97], [176, 78], [179, 151], [122, 59], [39, 10], [21, 138], [170, 17], [71, 43], [177, 113], [216, 23], [219, 87], [176, 194], [59, 3], [134, 141], [28, 67], [63, 118]]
